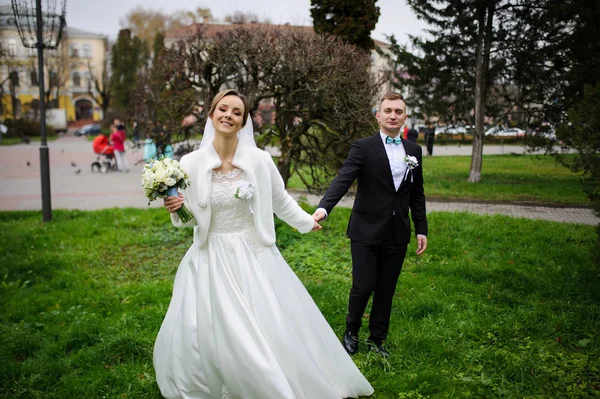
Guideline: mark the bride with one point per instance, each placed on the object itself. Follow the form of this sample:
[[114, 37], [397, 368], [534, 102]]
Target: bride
[[240, 323]]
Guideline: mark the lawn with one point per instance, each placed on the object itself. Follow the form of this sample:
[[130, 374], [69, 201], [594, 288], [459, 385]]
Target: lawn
[[513, 178], [496, 308]]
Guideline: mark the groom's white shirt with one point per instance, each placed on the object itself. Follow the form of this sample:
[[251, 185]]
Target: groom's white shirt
[[396, 154]]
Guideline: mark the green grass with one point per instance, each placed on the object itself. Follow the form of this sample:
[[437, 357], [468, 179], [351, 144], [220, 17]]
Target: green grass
[[535, 178], [520, 178], [496, 308]]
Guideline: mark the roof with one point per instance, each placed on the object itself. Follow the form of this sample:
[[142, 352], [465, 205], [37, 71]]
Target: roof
[[83, 34]]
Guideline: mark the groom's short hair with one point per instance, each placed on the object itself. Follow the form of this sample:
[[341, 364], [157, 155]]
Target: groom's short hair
[[391, 95]]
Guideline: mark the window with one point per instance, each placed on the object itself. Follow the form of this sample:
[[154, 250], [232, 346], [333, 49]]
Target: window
[[14, 78], [12, 47], [87, 51], [74, 51], [34, 78], [76, 79]]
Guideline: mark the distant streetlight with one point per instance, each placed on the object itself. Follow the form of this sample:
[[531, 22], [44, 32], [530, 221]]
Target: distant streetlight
[[41, 30]]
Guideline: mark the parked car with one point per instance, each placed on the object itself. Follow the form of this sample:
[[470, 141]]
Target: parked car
[[511, 132], [493, 130], [545, 130], [499, 131], [88, 130], [450, 130]]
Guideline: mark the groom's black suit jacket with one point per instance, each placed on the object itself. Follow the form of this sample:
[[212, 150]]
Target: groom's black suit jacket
[[377, 203]]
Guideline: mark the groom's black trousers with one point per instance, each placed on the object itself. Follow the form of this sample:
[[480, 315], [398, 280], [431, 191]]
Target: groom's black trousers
[[375, 270]]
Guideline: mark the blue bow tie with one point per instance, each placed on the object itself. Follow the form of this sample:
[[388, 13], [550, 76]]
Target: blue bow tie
[[389, 140]]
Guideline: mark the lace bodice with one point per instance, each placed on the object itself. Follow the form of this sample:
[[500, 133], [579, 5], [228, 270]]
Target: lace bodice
[[229, 214]]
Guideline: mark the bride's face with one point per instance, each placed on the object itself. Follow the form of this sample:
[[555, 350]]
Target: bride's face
[[228, 116]]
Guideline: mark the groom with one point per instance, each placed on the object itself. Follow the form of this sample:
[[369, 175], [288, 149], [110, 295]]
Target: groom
[[389, 183]]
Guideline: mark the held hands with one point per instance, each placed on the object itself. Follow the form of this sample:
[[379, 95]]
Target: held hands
[[173, 203], [317, 217]]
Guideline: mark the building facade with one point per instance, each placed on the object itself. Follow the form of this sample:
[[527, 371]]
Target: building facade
[[70, 72]]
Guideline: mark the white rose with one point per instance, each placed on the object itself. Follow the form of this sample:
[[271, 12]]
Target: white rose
[[170, 182], [161, 174], [149, 183]]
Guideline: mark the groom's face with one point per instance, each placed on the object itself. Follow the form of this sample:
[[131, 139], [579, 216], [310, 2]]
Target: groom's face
[[391, 116]]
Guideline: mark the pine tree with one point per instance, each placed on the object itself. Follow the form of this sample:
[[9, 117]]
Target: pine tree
[[351, 20], [128, 55], [471, 59]]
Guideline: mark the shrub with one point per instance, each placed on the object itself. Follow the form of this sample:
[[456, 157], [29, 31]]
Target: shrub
[[26, 128]]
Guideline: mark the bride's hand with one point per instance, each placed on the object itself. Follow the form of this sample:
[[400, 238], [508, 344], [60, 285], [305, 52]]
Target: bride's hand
[[316, 227], [173, 203]]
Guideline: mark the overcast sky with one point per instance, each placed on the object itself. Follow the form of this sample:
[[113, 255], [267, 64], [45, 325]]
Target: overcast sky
[[103, 16]]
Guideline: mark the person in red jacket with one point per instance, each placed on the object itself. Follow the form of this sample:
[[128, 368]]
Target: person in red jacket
[[117, 137]]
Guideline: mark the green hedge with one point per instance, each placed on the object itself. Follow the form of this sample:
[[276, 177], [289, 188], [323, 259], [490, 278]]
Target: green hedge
[[25, 127]]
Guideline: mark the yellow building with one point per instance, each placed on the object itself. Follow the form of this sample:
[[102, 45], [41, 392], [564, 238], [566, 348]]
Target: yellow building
[[69, 72]]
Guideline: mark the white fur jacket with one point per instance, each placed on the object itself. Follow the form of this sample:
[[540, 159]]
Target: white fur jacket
[[269, 194]]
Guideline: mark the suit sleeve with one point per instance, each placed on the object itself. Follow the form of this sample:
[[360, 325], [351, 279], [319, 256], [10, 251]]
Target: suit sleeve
[[348, 173], [417, 198], [284, 206]]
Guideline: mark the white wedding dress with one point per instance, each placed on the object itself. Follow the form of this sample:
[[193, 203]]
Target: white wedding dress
[[241, 325]]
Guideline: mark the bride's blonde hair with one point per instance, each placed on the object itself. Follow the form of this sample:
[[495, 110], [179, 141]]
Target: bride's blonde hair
[[230, 92]]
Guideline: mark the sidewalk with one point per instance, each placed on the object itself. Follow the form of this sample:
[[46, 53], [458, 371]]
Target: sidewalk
[[77, 187]]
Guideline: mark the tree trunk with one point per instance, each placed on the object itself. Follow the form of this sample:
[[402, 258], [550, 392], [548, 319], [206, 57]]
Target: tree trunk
[[13, 101], [285, 160], [105, 104], [485, 17]]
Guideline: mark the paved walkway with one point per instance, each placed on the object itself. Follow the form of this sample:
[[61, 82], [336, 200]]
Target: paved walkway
[[77, 187]]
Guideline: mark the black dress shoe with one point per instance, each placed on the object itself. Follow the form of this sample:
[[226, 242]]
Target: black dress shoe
[[350, 343], [379, 348]]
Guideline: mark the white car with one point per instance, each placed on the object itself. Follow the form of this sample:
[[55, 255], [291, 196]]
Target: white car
[[493, 130], [511, 132], [450, 130]]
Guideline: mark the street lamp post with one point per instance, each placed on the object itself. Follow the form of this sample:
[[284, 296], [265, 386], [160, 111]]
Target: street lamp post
[[41, 30]]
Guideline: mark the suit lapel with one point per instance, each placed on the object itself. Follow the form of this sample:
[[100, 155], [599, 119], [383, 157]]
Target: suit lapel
[[383, 158], [405, 182]]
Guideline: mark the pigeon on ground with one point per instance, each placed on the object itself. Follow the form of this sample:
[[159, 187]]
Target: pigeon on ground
[[78, 171], [28, 163], [73, 164]]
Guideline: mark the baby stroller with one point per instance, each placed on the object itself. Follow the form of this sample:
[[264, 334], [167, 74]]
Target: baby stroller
[[105, 160]]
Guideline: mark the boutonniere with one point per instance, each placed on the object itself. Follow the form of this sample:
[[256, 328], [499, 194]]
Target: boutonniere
[[411, 162], [244, 191]]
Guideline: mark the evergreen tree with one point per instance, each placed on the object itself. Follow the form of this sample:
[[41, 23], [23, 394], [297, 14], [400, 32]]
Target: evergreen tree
[[351, 20], [158, 45], [478, 58], [128, 57]]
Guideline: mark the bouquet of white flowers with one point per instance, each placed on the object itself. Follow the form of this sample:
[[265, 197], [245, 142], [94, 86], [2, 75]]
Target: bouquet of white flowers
[[161, 178]]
